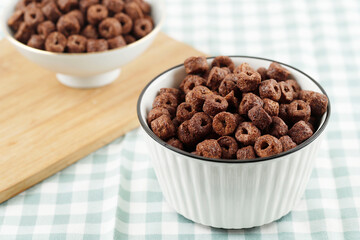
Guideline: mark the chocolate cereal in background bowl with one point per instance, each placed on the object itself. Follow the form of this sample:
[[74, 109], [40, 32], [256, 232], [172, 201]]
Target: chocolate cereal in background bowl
[[84, 41], [235, 138]]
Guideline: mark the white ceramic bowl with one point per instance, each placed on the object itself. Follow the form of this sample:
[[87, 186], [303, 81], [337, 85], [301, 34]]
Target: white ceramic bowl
[[86, 70], [230, 193]]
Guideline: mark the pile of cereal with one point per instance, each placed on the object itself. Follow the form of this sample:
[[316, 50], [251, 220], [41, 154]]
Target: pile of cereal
[[229, 112], [78, 26]]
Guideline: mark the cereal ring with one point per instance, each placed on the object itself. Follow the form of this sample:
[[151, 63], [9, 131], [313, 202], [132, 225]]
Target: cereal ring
[[228, 146], [67, 5], [166, 100], [110, 28], [224, 123], [216, 76], [287, 143], [76, 44], [116, 42], [196, 65], [190, 82], [244, 67], [36, 41], [176, 92], [259, 117], [156, 113], [175, 143], [24, 33], [278, 127], [267, 145], [185, 136], [68, 25], [133, 10], [200, 124], [163, 127], [85, 4], [270, 89], [185, 111], [262, 71], [78, 15], [248, 81], [51, 11], [284, 112], [97, 45], [55, 42], [249, 101], [129, 39], [223, 61], [247, 133], [287, 92], [16, 19], [176, 122], [271, 107], [145, 7], [142, 27], [45, 28], [90, 32], [214, 104], [277, 72], [33, 16], [209, 148], [295, 87], [300, 132], [96, 13], [246, 153], [318, 102], [299, 110], [232, 101], [114, 6], [196, 97], [125, 21], [228, 84]]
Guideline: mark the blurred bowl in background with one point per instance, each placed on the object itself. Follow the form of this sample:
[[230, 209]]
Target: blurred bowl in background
[[86, 70]]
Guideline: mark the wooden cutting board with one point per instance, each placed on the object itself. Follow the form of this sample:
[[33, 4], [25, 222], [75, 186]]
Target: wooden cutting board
[[45, 126]]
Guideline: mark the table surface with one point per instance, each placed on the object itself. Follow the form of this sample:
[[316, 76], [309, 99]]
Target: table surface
[[113, 193]]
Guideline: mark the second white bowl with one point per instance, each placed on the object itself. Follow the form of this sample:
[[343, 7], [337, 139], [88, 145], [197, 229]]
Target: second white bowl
[[86, 70]]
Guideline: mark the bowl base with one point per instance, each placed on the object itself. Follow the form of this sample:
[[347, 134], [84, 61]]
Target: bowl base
[[88, 82]]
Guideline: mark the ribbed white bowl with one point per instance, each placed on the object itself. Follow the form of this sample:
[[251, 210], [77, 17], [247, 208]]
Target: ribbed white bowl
[[223, 193]]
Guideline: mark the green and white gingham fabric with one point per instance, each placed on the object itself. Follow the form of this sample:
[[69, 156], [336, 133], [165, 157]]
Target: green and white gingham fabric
[[114, 194]]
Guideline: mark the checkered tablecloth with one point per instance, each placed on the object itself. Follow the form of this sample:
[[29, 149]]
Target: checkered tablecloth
[[114, 194]]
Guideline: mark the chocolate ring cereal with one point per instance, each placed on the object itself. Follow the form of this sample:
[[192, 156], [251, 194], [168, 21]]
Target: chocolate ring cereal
[[270, 89], [247, 133], [51, 11], [224, 123], [36, 41], [299, 110], [76, 44], [267, 145], [156, 113], [300, 132], [125, 21], [116, 42], [97, 45], [259, 117], [246, 153], [114, 6], [209, 148], [214, 104], [90, 32], [223, 61], [16, 19], [24, 33], [190, 82], [96, 13], [249, 101], [110, 28], [271, 107], [133, 10], [142, 27], [287, 143], [33, 16], [277, 72], [185, 111], [163, 127], [196, 65], [229, 147], [55, 42], [278, 127], [68, 25], [200, 124], [45, 28]]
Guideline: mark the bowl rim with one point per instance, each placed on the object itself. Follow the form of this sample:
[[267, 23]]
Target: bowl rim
[[10, 37], [318, 132]]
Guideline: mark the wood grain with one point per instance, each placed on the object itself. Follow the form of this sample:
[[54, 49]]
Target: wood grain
[[45, 126]]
